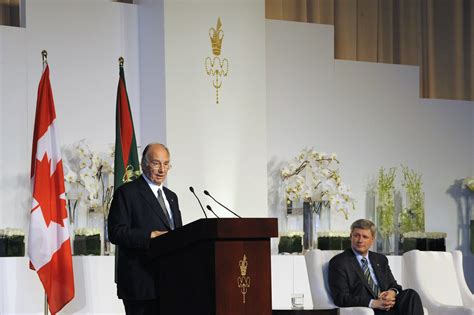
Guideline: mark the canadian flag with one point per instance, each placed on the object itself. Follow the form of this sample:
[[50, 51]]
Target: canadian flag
[[49, 247]]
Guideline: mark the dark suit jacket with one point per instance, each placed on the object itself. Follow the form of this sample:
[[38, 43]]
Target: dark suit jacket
[[348, 284], [134, 214]]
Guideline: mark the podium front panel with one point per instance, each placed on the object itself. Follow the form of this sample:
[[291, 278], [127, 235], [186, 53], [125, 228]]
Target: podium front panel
[[243, 277]]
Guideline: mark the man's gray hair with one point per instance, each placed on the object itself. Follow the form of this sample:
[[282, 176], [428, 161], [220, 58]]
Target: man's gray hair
[[364, 224]]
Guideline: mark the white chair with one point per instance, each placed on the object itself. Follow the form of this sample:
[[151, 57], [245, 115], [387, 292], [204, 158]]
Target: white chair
[[317, 262], [438, 277]]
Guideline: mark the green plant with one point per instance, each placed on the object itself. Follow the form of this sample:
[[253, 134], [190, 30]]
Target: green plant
[[412, 217], [386, 201]]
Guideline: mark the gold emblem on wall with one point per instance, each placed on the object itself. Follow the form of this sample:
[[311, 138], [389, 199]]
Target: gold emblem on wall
[[243, 281], [216, 67]]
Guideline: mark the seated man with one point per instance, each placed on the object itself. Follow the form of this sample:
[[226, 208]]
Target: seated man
[[359, 277]]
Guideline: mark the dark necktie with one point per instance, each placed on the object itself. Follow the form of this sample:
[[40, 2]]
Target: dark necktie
[[372, 284], [161, 201]]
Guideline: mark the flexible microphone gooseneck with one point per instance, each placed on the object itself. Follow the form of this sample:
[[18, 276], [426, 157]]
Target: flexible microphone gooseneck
[[210, 209], [208, 194], [202, 208]]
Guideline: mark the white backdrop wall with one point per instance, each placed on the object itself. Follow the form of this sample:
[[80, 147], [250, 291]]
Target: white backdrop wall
[[152, 71], [371, 116], [14, 147], [218, 147], [84, 40]]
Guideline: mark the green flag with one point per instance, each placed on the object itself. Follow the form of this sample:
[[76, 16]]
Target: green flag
[[127, 166]]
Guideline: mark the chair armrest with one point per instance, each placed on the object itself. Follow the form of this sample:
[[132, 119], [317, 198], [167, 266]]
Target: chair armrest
[[444, 309], [467, 296], [366, 311]]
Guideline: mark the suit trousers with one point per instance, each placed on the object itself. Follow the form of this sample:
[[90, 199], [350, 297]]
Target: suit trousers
[[408, 303], [141, 307]]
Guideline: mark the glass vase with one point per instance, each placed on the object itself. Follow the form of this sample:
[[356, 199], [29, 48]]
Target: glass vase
[[322, 219], [386, 244], [108, 248], [385, 221], [72, 215], [308, 224], [289, 206], [412, 217], [316, 217], [95, 220]]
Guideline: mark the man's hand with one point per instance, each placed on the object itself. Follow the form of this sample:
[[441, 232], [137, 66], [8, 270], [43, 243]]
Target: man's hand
[[385, 301], [157, 233], [388, 295]]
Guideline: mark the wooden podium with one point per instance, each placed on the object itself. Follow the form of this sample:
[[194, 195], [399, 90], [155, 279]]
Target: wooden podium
[[215, 267]]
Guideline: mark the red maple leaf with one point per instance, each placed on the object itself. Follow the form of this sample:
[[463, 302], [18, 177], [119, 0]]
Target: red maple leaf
[[47, 190]]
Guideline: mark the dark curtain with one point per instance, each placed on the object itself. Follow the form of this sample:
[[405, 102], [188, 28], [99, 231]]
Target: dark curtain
[[10, 12], [437, 35]]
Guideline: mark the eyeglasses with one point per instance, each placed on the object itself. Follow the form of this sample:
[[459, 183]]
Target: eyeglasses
[[156, 165]]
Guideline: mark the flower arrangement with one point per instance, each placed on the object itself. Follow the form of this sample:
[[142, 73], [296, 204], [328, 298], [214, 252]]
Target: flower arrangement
[[86, 241], [314, 177], [386, 202], [12, 242], [425, 241], [430, 235], [10, 232], [291, 242], [87, 231], [345, 234], [412, 217], [334, 240], [469, 183], [88, 177]]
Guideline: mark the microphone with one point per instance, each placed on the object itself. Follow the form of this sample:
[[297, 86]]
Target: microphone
[[210, 209], [208, 194], [192, 190]]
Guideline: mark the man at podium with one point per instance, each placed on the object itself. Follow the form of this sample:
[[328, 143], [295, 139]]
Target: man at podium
[[141, 210]]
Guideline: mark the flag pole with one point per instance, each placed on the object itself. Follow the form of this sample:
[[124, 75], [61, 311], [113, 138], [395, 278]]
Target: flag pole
[[46, 311], [121, 62], [44, 53]]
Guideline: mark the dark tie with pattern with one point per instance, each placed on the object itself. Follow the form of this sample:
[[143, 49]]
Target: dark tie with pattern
[[370, 280], [161, 201]]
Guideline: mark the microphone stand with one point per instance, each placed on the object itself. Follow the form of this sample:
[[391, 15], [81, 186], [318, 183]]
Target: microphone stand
[[208, 194]]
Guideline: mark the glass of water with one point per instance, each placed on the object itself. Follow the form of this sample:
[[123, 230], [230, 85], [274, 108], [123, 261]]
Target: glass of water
[[297, 301]]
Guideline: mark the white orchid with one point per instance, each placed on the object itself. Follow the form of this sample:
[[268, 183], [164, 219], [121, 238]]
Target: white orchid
[[11, 232], [314, 177], [87, 231], [69, 175], [88, 176]]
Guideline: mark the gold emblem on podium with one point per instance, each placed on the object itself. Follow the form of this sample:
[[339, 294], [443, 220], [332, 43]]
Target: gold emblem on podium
[[216, 67], [243, 281]]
